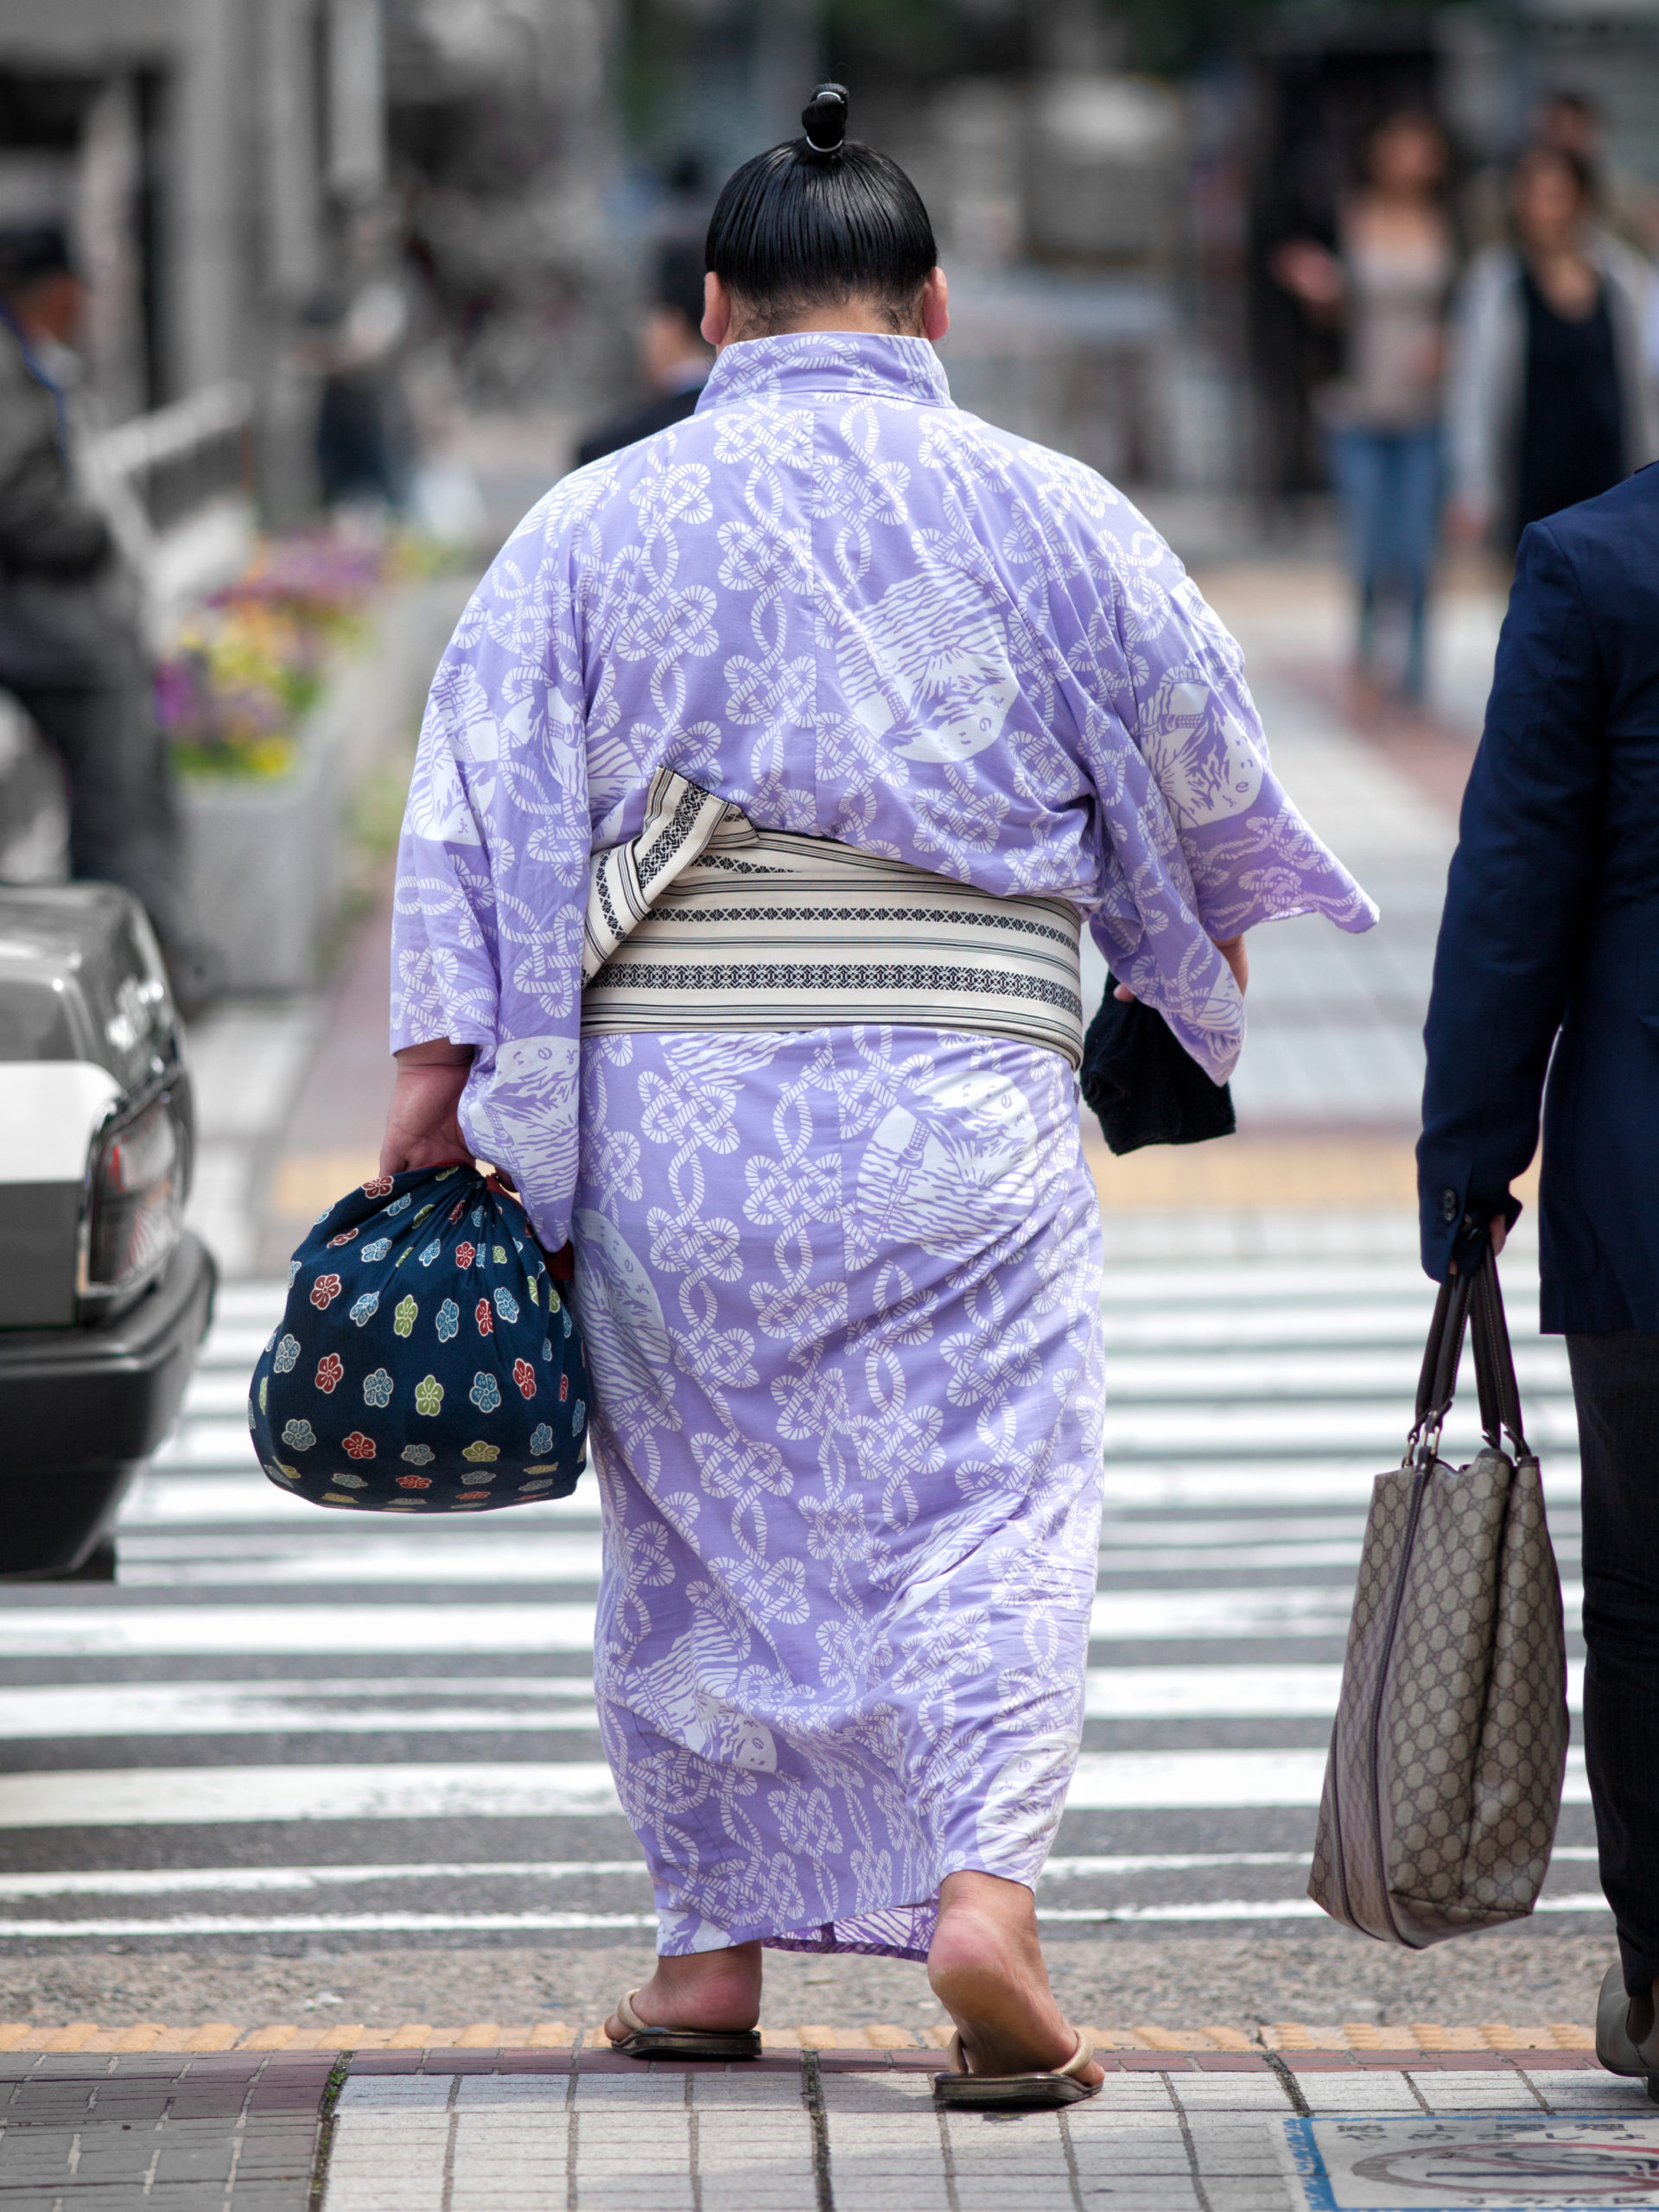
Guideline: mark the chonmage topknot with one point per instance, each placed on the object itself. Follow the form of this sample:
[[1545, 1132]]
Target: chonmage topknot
[[825, 118]]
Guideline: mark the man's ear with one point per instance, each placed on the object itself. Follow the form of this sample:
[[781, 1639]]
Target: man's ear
[[716, 311], [935, 306]]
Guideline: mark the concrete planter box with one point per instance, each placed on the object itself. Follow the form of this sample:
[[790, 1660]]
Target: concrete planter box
[[264, 864], [264, 859]]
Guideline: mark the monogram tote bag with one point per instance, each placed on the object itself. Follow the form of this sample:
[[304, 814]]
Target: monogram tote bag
[[1444, 1781]]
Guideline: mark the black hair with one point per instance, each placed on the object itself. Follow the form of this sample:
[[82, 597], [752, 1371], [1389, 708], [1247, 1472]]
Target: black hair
[[679, 281], [30, 254], [1566, 158], [819, 220]]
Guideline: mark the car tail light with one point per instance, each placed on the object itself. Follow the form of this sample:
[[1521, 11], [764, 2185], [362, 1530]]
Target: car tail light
[[137, 1200]]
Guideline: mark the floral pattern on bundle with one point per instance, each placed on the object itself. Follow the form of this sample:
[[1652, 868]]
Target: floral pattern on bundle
[[857, 612], [359, 1385]]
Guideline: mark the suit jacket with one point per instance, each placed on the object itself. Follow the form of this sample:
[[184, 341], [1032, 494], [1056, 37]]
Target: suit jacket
[[643, 422], [47, 528], [1548, 953]]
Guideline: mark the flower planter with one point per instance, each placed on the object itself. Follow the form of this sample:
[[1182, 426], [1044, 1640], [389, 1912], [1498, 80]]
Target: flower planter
[[264, 861], [262, 864]]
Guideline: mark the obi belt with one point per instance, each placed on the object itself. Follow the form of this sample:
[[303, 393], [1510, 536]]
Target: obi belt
[[704, 922]]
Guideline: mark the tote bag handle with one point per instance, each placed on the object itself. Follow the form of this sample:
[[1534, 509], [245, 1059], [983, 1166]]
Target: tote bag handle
[[1460, 1297]]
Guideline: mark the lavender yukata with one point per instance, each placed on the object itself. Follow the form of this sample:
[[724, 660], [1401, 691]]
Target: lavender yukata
[[839, 1287]]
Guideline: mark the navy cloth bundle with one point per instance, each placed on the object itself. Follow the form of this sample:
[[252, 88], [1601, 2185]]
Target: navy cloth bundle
[[426, 1362]]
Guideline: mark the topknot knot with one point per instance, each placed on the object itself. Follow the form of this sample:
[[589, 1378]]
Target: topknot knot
[[825, 118]]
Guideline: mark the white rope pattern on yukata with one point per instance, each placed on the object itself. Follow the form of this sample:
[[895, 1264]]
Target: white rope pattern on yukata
[[729, 927]]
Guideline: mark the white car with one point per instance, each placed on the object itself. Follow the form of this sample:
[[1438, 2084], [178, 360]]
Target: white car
[[105, 1297]]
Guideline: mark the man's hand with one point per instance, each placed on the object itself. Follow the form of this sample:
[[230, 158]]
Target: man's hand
[[1498, 1228], [1232, 951], [422, 1130]]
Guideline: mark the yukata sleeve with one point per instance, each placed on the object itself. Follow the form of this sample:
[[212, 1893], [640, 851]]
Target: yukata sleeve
[[492, 870], [1200, 841]]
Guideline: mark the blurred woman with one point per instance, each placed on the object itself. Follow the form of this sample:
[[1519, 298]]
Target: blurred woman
[[1551, 399], [1387, 285]]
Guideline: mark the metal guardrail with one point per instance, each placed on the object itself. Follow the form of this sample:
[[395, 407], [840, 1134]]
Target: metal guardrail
[[179, 457]]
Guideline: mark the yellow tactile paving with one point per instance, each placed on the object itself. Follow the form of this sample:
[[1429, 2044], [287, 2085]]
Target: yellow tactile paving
[[1425, 2035]]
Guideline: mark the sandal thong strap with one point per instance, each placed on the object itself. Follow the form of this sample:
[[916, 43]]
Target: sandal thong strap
[[643, 2039], [956, 2058]]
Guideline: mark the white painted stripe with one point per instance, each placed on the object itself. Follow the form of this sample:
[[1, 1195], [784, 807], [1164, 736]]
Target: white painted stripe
[[274, 1881], [1114, 1781], [378, 1552], [261, 1881], [1378, 1427], [48, 1112], [172, 1927], [47, 1713], [192, 1631], [1144, 1376], [1219, 1483], [328, 1923], [1367, 1276], [375, 1552], [187, 1796], [1224, 1693], [1341, 1374], [1260, 1909], [1226, 1323], [159, 1501], [1200, 1558], [1308, 1529], [1201, 1615], [180, 1631]]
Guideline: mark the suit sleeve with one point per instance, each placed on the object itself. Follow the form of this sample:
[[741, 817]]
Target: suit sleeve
[[1516, 900]]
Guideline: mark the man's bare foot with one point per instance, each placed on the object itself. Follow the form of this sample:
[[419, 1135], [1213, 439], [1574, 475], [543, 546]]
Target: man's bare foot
[[708, 1989], [986, 1969]]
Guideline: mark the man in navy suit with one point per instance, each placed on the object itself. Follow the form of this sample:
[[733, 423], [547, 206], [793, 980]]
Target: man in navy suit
[[1547, 967], [674, 357]]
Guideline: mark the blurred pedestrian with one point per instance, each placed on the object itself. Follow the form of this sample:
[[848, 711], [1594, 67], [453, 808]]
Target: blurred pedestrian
[[674, 359], [1387, 287], [1551, 398], [835, 670], [1546, 986], [70, 648], [358, 329]]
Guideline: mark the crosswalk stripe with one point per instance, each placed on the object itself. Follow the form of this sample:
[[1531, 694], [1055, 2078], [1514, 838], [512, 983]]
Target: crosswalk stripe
[[276, 1880], [192, 1795], [374, 1632], [188, 1796], [46, 1631], [46, 1713], [551, 1923], [522, 1704]]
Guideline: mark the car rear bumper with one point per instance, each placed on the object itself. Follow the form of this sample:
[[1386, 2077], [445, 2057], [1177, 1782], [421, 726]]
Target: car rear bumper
[[106, 1394]]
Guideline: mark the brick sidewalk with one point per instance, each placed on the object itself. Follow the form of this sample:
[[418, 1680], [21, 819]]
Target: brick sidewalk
[[464, 2130]]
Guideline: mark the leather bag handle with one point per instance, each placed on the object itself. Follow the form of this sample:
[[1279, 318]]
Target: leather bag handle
[[1495, 1379], [1462, 1296]]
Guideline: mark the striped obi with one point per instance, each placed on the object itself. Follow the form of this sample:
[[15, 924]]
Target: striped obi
[[704, 922]]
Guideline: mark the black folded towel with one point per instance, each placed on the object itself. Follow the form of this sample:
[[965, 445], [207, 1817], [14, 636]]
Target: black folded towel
[[1142, 1082]]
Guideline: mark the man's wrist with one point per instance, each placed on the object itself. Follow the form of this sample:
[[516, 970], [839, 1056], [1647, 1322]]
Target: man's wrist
[[436, 1052]]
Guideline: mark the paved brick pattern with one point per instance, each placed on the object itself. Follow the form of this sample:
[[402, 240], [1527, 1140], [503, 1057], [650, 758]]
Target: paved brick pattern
[[1200, 2131], [178, 2133], [478, 2129]]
